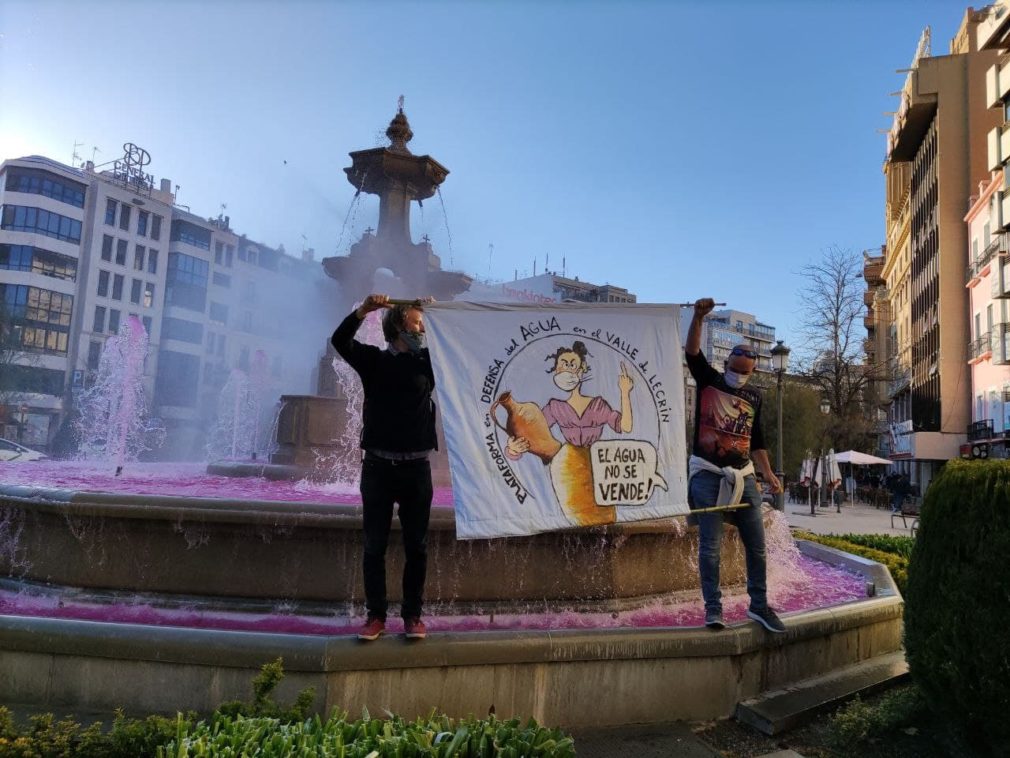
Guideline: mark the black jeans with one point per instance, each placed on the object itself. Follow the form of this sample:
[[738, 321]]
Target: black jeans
[[407, 483]]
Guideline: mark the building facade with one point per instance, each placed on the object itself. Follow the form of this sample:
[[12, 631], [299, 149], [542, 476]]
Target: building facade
[[82, 250], [988, 275], [935, 156]]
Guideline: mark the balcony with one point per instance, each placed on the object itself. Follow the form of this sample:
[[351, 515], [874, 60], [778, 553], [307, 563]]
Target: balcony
[[999, 344], [971, 274], [900, 381], [873, 269], [991, 32], [981, 346], [980, 430]]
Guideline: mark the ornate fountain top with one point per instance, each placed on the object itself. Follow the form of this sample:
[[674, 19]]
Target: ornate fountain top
[[399, 132]]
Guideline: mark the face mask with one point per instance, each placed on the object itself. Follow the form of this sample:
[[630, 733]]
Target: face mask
[[414, 340], [567, 380], [735, 380]]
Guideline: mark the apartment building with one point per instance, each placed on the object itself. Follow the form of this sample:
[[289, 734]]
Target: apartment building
[[988, 264], [45, 211], [935, 157], [83, 249]]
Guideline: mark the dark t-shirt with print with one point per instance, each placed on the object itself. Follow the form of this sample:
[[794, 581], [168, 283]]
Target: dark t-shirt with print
[[727, 421]]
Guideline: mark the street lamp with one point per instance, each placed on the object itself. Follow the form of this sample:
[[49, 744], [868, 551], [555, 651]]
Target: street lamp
[[825, 410], [780, 362]]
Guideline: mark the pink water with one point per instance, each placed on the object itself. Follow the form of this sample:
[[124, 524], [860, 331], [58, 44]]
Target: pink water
[[795, 582], [182, 480]]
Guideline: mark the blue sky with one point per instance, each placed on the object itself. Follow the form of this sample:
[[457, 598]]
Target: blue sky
[[678, 149]]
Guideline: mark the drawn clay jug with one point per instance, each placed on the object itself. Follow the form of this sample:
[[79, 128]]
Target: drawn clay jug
[[526, 420]]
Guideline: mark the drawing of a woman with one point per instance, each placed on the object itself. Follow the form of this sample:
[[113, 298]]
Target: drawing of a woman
[[581, 420]]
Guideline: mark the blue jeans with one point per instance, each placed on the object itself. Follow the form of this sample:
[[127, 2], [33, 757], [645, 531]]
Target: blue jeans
[[703, 493]]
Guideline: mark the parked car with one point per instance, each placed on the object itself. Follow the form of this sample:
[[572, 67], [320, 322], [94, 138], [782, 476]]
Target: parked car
[[12, 451]]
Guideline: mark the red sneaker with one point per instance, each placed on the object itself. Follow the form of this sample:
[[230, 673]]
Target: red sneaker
[[372, 629], [414, 629]]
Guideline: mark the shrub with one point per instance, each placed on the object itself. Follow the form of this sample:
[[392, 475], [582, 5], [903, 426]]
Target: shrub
[[436, 736], [263, 703], [957, 604], [857, 721], [886, 543], [46, 737]]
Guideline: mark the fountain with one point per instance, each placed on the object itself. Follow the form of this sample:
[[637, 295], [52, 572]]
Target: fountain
[[113, 423], [111, 586]]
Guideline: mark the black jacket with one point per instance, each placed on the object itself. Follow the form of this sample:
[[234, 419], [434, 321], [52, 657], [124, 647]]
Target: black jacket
[[398, 414]]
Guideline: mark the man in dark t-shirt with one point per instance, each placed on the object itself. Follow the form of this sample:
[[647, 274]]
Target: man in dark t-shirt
[[728, 443]]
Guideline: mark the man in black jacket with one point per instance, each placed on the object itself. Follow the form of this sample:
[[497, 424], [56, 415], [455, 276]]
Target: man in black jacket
[[398, 433]]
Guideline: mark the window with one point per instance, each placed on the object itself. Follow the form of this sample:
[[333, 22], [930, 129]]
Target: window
[[219, 313], [218, 252], [186, 281], [117, 287], [113, 321], [121, 252], [94, 355], [176, 383], [221, 280], [40, 318], [99, 325], [182, 330], [19, 218], [148, 295], [138, 258], [142, 218], [106, 247], [36, 182], [136, 287], [156, 227], [152, 261], [220, 345], [247, 321], [146, 320], [38, 261], [124, 217], [103, 283], [44, 381], [229, 255], [191, 234], [110, 212], [210, 342]]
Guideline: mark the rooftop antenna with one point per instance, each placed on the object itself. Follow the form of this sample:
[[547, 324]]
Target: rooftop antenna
[[563, 269], [547, 263], [490, 255], [305, 243], [94, 150], [75, 157]]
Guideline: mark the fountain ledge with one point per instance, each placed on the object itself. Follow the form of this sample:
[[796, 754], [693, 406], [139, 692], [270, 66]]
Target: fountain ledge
[[570, 678]]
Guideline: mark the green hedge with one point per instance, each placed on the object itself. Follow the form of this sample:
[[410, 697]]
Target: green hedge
[[896, 563], [436, 736], [262, 727], [957, 614]]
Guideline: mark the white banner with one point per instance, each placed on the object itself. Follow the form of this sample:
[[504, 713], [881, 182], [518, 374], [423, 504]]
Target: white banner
[[559, 416]]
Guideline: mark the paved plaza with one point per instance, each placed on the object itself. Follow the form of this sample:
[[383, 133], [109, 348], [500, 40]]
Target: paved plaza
[[855, 518]]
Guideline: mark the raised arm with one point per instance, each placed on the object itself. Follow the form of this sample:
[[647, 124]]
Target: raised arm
[[702, 307], [625, 383]]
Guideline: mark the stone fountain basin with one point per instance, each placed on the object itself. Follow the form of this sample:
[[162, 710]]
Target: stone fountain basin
[[304, 554], [568, 678]]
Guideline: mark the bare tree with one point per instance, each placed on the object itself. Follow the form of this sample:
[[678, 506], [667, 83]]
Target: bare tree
[[832, 355]]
